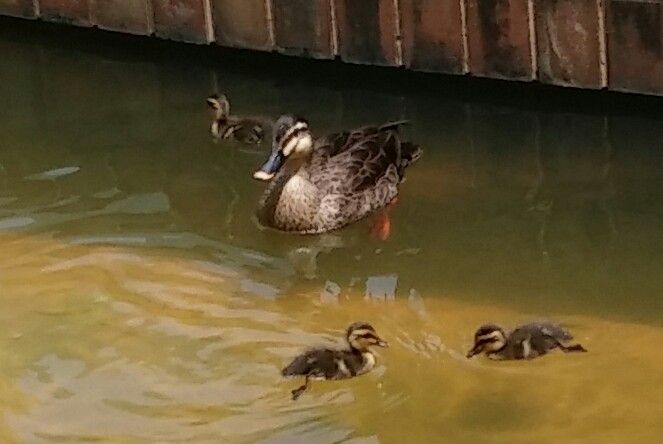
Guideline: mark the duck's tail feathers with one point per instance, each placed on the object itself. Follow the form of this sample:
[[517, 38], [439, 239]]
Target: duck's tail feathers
[[299, 366], [410, 153], [393, 125]]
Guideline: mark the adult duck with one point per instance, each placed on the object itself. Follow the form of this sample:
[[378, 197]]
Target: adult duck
[[322, 185]]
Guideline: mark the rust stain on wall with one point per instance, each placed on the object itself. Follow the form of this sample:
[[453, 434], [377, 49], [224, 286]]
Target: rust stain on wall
[[499, 39], [635, 46], [18, 8], [432, 35], [131, 16], [367, 31], [303, 27], [568, 42], [242, 23], [182, 20], [74, 12]]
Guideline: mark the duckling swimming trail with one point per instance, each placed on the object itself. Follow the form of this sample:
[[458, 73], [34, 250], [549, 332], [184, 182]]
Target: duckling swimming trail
[[141, 301]]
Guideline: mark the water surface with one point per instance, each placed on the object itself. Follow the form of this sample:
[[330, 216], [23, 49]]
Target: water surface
[[141, 303]]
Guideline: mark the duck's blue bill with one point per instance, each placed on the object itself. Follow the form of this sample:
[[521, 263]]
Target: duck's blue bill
[[271, 167]]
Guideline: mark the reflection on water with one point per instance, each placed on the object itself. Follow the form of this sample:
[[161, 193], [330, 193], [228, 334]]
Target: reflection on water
[[142, 303]]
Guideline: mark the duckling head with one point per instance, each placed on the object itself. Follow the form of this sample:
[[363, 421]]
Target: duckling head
[[220, 106], [488, 339], [292, 140], [362, 335]]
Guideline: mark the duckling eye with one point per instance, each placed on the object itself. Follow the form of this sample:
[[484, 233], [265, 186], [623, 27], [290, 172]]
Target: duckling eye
[[368, 336]]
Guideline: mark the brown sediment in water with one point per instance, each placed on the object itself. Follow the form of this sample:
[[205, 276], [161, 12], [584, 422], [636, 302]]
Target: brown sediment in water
[[109, 342]]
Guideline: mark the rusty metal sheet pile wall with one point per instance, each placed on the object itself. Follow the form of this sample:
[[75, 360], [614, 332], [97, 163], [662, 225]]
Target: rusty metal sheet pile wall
[[614, 44], [243, 23], [131, 16], [74, 12], [304, 27], [432, 32], [368, 32], [18, 8], [568, 42], [182, 20], [499, 38], [636, 45]]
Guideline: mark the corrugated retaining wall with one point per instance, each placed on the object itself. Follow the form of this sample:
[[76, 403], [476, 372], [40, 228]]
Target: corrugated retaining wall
[[595, 44]]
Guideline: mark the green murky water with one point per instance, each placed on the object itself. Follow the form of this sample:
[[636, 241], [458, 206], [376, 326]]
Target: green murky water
[[141, 303]]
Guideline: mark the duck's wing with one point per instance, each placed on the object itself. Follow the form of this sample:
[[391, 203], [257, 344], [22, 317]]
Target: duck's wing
[[544, 328], [540, 336], [320, 362], [336, 143], [356, 161]]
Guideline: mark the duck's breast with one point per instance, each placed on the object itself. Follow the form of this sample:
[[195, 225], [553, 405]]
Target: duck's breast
[[297, 205]]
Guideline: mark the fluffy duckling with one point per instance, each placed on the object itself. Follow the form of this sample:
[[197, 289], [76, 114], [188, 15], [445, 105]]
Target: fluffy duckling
[[328, 363], [525, 342], [243, 129]]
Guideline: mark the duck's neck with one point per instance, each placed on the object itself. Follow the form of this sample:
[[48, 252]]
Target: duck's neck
[[367, 359], [217, 124], [495, 354], [296, 165]]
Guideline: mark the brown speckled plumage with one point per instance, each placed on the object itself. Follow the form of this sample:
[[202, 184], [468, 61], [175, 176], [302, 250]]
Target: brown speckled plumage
[[347, 176]]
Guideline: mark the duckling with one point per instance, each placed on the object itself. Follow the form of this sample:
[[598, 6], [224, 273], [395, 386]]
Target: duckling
[[329, 363], [243, 129], [525, 342]]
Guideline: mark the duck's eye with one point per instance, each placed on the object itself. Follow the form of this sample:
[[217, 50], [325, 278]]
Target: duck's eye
[[281, 131]]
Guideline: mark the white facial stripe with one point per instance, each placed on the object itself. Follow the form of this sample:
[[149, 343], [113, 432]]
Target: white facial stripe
[[304, 144], [362, 331], [287, 150], [296, 127], [290, 132], [492, 335]]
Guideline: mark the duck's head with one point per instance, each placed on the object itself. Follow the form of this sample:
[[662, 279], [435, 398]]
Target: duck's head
[[292, 139], [488, 339], [362, 335], [219, 105]]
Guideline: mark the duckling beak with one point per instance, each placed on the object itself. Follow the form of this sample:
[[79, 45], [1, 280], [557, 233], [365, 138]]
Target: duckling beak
[[383, 344], [213, 103], [475, 351]]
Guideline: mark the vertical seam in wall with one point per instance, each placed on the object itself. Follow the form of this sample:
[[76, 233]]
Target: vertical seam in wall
[[399, 39], [269, 11], [209, 22], [603, 45], [149, 15], [334, 29], [92, 12], [464, 36], [532, 39]]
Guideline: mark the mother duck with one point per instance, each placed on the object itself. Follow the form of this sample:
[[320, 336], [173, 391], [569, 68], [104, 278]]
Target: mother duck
[[322, 185]]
